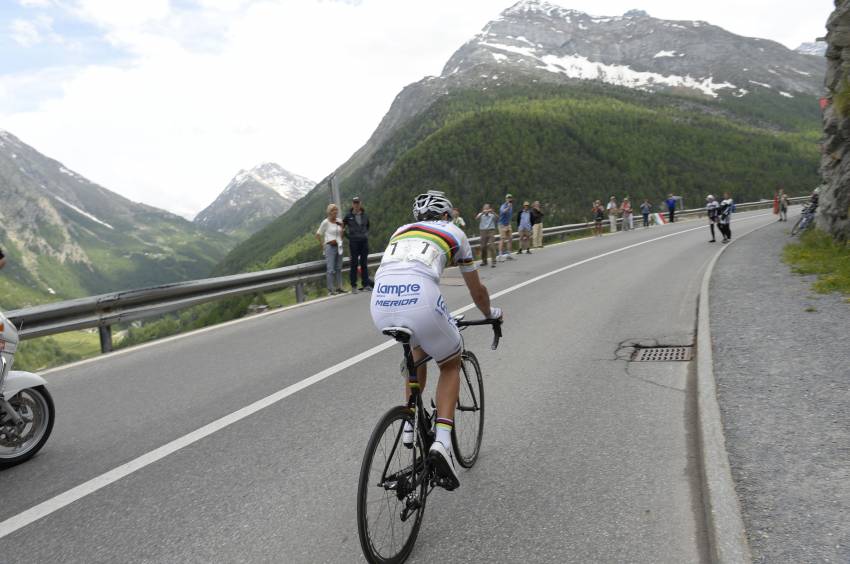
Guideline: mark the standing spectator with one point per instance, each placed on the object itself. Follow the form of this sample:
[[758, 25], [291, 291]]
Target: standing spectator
[[783, 206], [506, 212], [457, 219], [598, 216], [712, 209], [523, 221], [357, 227], [487, 230], [671, 207], [725, 217], [613, 210], [628, 216], [645, 210], [536, 225], [329, 236]]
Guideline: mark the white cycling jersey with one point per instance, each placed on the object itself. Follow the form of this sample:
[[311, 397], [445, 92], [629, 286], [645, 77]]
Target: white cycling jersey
[[407, 291], [427, 248]]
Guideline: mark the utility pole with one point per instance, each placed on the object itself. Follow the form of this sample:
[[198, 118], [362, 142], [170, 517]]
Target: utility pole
[[335, 193]]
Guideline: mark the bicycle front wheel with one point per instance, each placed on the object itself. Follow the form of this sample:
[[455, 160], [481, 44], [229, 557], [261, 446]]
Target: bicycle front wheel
[[391, 492], [469, 413], [797, 227]]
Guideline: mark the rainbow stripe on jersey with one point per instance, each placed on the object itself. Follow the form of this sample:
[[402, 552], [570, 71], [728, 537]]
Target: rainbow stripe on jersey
[[444, 240]]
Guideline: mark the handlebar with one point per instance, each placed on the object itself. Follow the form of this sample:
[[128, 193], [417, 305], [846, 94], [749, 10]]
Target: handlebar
[[495, 323]]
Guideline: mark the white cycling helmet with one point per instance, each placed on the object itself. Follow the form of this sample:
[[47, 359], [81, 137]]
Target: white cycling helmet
[[431, 205]]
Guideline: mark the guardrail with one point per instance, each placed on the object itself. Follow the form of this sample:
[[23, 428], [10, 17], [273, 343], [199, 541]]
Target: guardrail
[[105, 310]]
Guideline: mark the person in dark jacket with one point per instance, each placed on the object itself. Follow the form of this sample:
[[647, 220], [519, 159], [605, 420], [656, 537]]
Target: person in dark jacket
[[2, 259], [671, 208], [357, 230]]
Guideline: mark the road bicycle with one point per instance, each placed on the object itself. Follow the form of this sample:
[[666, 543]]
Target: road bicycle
[[806, 220], [395, 480]]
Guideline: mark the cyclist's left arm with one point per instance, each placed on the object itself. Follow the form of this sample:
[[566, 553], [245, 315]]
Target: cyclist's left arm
[[466, 263]]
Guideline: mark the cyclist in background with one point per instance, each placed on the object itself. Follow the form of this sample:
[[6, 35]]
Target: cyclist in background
[[407, 294]]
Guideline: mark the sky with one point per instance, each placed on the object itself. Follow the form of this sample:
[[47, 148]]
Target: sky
[[164, 101]]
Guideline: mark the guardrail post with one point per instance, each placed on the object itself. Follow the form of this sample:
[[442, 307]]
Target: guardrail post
[[299, 293], [105, 338]]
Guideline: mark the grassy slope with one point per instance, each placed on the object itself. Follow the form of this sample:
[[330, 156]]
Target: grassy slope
[[817, 253], [563, 146]]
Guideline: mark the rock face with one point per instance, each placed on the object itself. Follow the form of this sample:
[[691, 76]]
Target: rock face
[[636, 51], [254, 198], [834, 208]]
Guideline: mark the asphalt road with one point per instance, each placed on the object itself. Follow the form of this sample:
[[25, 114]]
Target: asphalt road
[[586, 457]]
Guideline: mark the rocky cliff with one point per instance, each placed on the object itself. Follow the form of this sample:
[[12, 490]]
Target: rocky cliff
[[834, 214]]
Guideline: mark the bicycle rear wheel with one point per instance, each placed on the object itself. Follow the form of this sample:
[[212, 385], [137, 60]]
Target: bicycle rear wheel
[[469, 414], [391, 491]]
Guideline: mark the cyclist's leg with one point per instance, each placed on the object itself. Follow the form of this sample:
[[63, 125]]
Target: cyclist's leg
[[421, 372], [448, 387]]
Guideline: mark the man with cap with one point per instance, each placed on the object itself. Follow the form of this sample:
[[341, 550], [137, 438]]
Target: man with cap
[[506, 212], [357, 229]]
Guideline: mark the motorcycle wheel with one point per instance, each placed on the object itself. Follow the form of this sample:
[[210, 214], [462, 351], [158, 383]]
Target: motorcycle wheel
[[19, 444]]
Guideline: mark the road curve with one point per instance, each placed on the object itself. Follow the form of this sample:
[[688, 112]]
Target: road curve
[[586, 457]]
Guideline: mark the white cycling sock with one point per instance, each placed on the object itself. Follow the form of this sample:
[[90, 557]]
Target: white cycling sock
[[444, 431]]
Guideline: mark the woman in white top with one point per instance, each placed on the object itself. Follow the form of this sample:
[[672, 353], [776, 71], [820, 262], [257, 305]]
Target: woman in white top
[[329, 236]]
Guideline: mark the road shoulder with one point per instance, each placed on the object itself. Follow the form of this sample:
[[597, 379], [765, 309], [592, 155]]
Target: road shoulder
[[780, 367]]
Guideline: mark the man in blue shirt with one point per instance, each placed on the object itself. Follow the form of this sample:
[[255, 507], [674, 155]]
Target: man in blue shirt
[[671, 207], [506, 212]]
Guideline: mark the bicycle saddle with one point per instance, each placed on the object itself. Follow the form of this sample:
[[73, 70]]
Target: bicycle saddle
[[400, 334]]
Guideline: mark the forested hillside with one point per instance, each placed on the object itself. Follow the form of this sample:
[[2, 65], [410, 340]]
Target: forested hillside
[[564, 146]]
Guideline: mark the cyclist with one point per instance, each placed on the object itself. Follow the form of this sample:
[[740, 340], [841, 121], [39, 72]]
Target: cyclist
[[407, 294]]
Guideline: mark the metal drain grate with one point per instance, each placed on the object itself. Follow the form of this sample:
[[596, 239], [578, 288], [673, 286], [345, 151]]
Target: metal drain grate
[[662, 354]]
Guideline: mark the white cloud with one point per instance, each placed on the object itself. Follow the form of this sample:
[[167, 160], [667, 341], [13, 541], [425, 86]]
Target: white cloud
[[122, 13], [299, 82], [25, 33]]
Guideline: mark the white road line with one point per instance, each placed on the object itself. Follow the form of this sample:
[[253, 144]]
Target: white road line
[[68, 497]]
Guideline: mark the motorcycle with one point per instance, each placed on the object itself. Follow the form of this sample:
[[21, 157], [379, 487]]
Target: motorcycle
[[26, 407]]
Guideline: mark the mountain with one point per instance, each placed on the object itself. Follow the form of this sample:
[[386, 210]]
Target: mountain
[[603, 97], [68, 237], [253, 199], [817, 49]]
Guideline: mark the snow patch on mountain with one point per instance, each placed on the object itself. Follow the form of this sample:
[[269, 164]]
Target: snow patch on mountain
[[576, 66], [81, 211], [288, 185], [815, 49]]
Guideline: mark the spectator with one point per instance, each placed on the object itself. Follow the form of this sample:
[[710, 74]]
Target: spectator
[[2, 259], [628, 216], [536, 225], [612, 213], [725, 217], [783, 206], [457, 219], [357, 227], [487, 230], [645, 210], [329, 236], [712, 209], [523, 220], [671, 207], [506, 212], [598, 216]]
